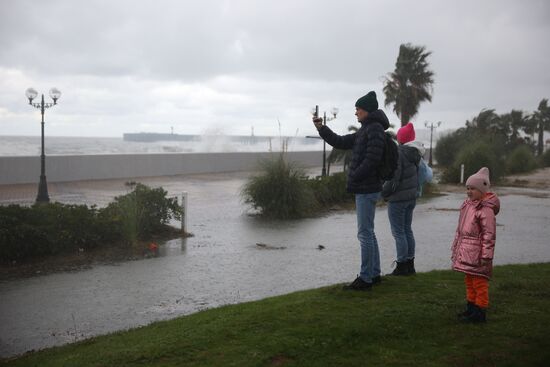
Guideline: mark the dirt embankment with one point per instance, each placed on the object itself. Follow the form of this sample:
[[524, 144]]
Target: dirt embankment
[[539, 179]]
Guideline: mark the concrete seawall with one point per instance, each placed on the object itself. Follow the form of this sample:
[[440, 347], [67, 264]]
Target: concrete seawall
[[20, 170]]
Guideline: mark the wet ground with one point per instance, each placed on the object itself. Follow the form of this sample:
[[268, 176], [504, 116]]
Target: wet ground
[[223, 263]]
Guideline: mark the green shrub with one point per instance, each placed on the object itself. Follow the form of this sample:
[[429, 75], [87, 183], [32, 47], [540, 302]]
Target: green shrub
[[544, 159], [329, 190], [280, 190], [46, 229], [447, 148], [451, 174], [54, 228], [474, 156], [520, 160], [125, 212], [283, 191], [142, 212]]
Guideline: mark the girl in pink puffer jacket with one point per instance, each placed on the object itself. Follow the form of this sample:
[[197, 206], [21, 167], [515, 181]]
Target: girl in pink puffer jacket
[[474, 244]]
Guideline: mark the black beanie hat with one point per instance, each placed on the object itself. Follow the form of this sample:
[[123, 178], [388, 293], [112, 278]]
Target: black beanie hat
[[368, 102]]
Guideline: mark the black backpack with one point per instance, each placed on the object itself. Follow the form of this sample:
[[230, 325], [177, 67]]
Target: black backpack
[[388, 165]]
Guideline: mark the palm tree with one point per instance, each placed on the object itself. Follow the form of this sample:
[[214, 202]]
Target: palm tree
[[410, 83], [489, 122], [516, 122], [541, 122]]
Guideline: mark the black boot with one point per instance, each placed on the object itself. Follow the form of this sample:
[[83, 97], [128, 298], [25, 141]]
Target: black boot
[[358, 285], [462, 316], [401, 269], [478, 315], [410, 264]]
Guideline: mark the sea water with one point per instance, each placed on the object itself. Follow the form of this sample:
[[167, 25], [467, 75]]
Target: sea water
[[55, 145]]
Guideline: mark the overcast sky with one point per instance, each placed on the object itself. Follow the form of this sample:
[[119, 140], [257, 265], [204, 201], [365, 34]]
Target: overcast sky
[[215, 66]]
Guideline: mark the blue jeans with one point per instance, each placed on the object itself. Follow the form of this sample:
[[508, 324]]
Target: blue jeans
[[370, 255], [401, 215]]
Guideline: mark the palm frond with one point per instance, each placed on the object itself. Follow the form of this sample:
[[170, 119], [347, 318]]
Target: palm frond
[[411, 83]]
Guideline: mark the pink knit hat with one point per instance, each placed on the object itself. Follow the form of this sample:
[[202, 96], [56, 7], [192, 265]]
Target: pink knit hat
[[406, 133], [480, 180]]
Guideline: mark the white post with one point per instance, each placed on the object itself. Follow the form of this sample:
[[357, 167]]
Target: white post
[[462, 173], [184, 213]]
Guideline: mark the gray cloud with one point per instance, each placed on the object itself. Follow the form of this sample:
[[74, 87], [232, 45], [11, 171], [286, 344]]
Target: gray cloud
[[124, 64]]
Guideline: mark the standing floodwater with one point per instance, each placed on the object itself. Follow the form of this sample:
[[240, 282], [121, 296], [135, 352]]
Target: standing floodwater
[[223, 264]]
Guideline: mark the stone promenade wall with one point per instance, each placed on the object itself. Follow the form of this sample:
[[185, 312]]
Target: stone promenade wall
[[16, 170]]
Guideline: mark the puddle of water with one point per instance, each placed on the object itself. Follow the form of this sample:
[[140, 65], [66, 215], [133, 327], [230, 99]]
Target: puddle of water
[[173, 248]]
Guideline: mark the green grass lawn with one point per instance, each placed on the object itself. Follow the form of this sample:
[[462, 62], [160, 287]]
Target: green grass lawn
[[403, 322]]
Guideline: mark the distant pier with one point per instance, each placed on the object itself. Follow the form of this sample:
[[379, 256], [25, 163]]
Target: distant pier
[[242, 139]]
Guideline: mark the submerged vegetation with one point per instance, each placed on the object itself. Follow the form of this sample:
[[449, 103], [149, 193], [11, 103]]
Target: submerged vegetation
[[284, 191], [280, 191], [54, 228]]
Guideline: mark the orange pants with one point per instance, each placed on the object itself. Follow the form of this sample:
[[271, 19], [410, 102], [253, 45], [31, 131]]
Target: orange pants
[[477, 290]]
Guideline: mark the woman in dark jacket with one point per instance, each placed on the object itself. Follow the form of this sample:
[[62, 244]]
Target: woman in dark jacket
[[400, 193]]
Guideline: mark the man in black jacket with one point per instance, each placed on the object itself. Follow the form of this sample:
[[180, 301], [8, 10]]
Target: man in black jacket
[[367, 145]]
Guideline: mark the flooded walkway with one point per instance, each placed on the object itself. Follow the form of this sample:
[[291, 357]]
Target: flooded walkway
[[222, 263]]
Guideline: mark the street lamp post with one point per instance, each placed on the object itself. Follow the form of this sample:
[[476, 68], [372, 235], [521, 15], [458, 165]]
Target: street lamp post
[[432, 127], [31, 94], [315, 113]]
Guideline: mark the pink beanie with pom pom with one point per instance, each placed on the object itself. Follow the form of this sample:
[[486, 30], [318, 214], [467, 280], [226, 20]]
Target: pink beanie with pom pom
[[406, 133], [480, 180]]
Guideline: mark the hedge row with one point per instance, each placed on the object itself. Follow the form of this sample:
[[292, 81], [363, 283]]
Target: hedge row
[[54, 228]]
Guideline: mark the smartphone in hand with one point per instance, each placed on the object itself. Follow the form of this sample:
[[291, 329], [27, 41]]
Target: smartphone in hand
[[316, 119]]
